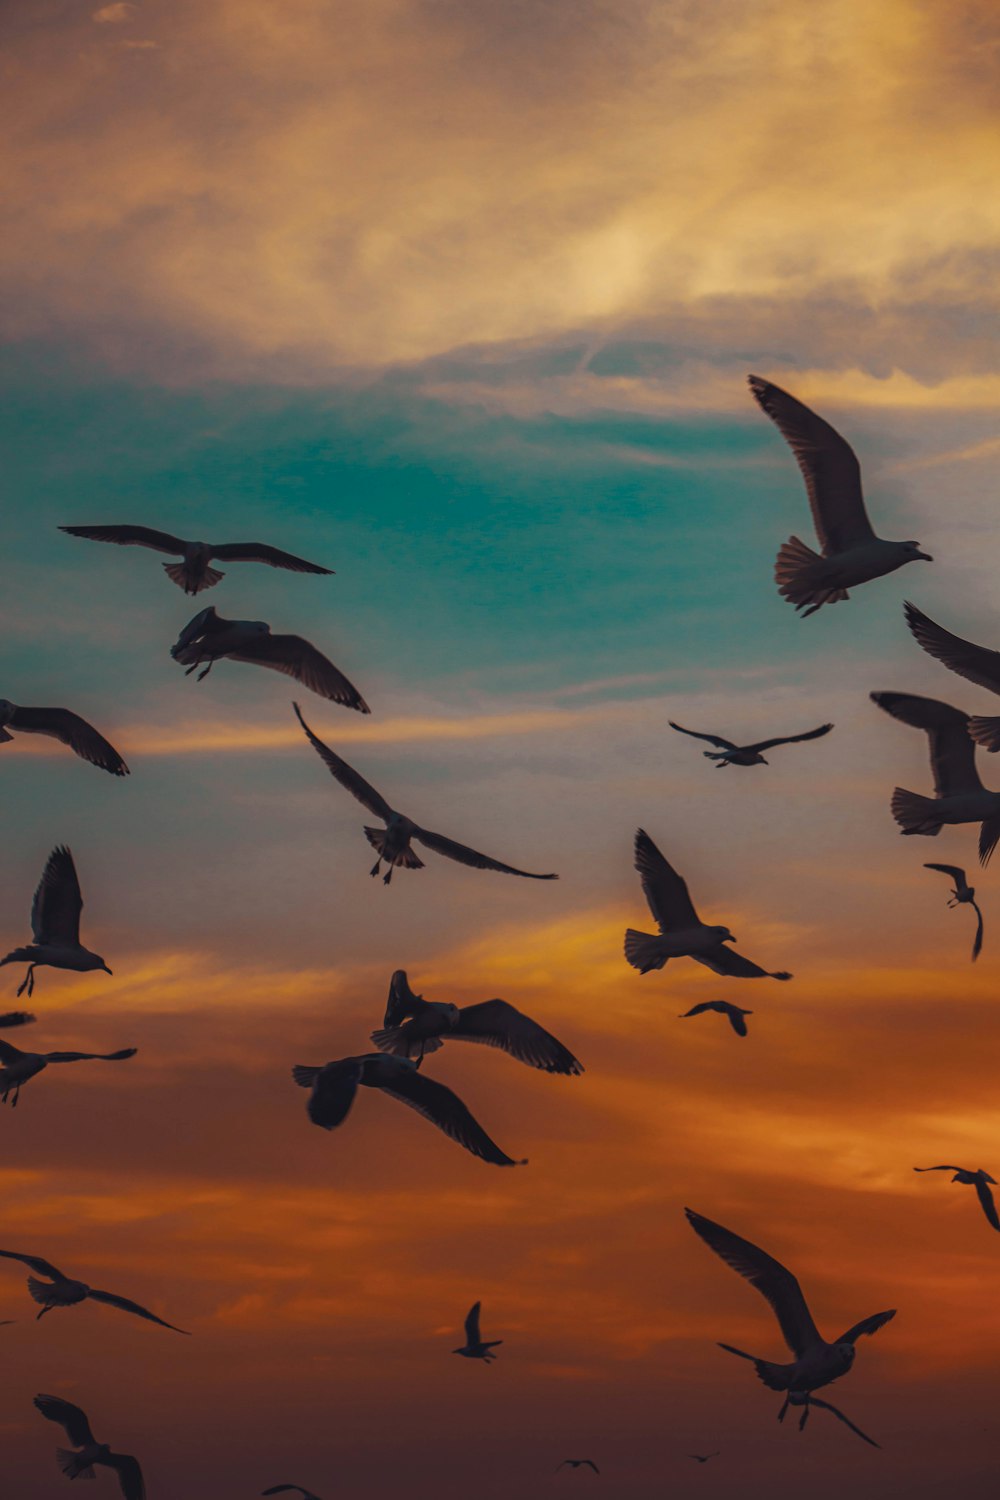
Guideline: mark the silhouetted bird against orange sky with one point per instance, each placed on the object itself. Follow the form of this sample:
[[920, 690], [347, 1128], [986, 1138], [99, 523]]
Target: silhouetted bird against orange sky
[[16, 1018], [60, 724], [578, 1463], [91, 1453], [55, 924], [475, 1347], [733, 1013], [977, 664], [703, 1458], [210, 638], [978, 1179], [62, 1291], [963, 894], [18, 1067], [731, 754], [194, 574]]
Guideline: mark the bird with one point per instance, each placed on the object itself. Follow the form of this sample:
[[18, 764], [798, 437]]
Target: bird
[[55, 924], [80, 1465], [63, 725], [977, 664], [702, 1458], [64, 1291], [978, 1179], [807, 1401], [731, 754], [16, 1018], [959, 795], [475, 1347], [393, 843], [732, 1012], [209, 638], [279, 1489], [194, 574], [816, 1363], [493, 1023], [851, 553], [682, 932], [578, 1463], [963, 895], [17, 1067], [335, 1085]]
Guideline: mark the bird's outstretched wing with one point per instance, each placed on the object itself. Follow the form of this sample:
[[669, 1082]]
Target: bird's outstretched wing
[[207, 621], [986, 1202], [346, 775], [665, 891], [71, 1419], [472, 1323], [134, 1307], [736, 1019], [953, 753], [68, 1057], [130, 536], [944, 1168], [133, 1486], [792, 739], [867, 1326], [497, 1024], [445, 1109], [8, 1052], [713, 739], [957, 875], [826, 1406], [402, 1002], [34, 1263], [466, 856], [299, 659], [723, 960], [977, 946], [56, 908], [81, 737], [333, 1090], [829, 467], [768, 1275], [976, 663], [701, 1008], [262, 553]]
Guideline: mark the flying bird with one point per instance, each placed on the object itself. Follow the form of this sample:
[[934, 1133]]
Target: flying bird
[[851, 552], [702, 1458], [393, 844], [194, 573], [17, 1067], [816, 1362], [578, 1463], [682, 932], [492, 1023], [209, 638], [731, 754], [55, 924], [963, 895], [976, 663], [959, 795], [335, 1085], [733, 1012], [16, 1018], [279, 1489], [978, 1179], [91, 1453], [63, 1291], [60, 724], [474, 1347]]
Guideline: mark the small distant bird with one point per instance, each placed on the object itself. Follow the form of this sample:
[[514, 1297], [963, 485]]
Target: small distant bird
[[702, 1458], [209, 638], [279, 1489], [734, 1013], [978, 1179], [17, 1067], [393, 843], [80, 1465], [16, 1018], [194, 574], [963, 895], [474, 1347], [493, 1023], [60, 724], [335, 1085], [959, 795], [731, 754], [851, 552], [578, 1463], [63, 1291], [55, 924], [977, 664], [682, 932], [816, 1362]]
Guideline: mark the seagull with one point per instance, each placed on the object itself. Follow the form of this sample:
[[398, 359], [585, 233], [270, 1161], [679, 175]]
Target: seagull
[[335, 1085], [578, 1463], [194, 574], [279, 1489], [55, 924], [978, 1179], [730, 754], [734, 1013], [59, 723], [816, 1362], [963, 895], [851, 552], [475, 1348], [494, 1023], [682, 932], [959, 795], [17, 1067], [702, 1458], [209, 638], [62, 1291], [393, 843], [976, 663], [16, 1018], [80, 1465]]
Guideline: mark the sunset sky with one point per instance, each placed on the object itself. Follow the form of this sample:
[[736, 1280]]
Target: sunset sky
[[458, 298]]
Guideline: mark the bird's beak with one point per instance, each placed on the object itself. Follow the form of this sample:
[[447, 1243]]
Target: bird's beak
[[926, 556], [764, 762], [106, 969]]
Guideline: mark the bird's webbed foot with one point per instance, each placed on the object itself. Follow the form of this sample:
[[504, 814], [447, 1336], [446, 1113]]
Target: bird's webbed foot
[[375, 868], [204, 674], [781, 1414], [28, 982], [805, 1415], [387, 876]]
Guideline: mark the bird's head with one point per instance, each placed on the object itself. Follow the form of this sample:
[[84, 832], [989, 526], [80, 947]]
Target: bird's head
[[452, 1015], [723, 934], [913, 551], [95, 961], [846, 1352]]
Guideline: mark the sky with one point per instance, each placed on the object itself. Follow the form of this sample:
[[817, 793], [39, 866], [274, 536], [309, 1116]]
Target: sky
[[459, 300]]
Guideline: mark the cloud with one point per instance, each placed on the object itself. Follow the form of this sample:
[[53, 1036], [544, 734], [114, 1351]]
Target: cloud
[[114, 14]]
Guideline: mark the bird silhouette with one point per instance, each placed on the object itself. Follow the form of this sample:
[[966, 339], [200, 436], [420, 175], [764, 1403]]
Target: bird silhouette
[[963, 894], [851, 552], [210, 638], [63, 1291], [733, 1012], [977, 664], [578, 1463], [55, 924], [16, 1018], [91, 1453], [806, 1400], [703, 1458], [978, 1179], [60, 724], [682, 932], [17, 1067], [393, 843], [731, 754], [194, 573], [474, 1347]]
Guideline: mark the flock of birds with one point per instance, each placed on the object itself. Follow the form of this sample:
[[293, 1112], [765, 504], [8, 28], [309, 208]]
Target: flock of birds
[[414, 1028]]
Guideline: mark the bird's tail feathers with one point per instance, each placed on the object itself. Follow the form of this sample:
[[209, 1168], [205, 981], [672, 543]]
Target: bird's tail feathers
[[41, 1291], [393, 1039], [916, 814], [305, 1077], [985, 731], [798, 572], [69, 1463], [643, 951], [408, 860], [774, 1376], [179, 574], [20, 956]]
